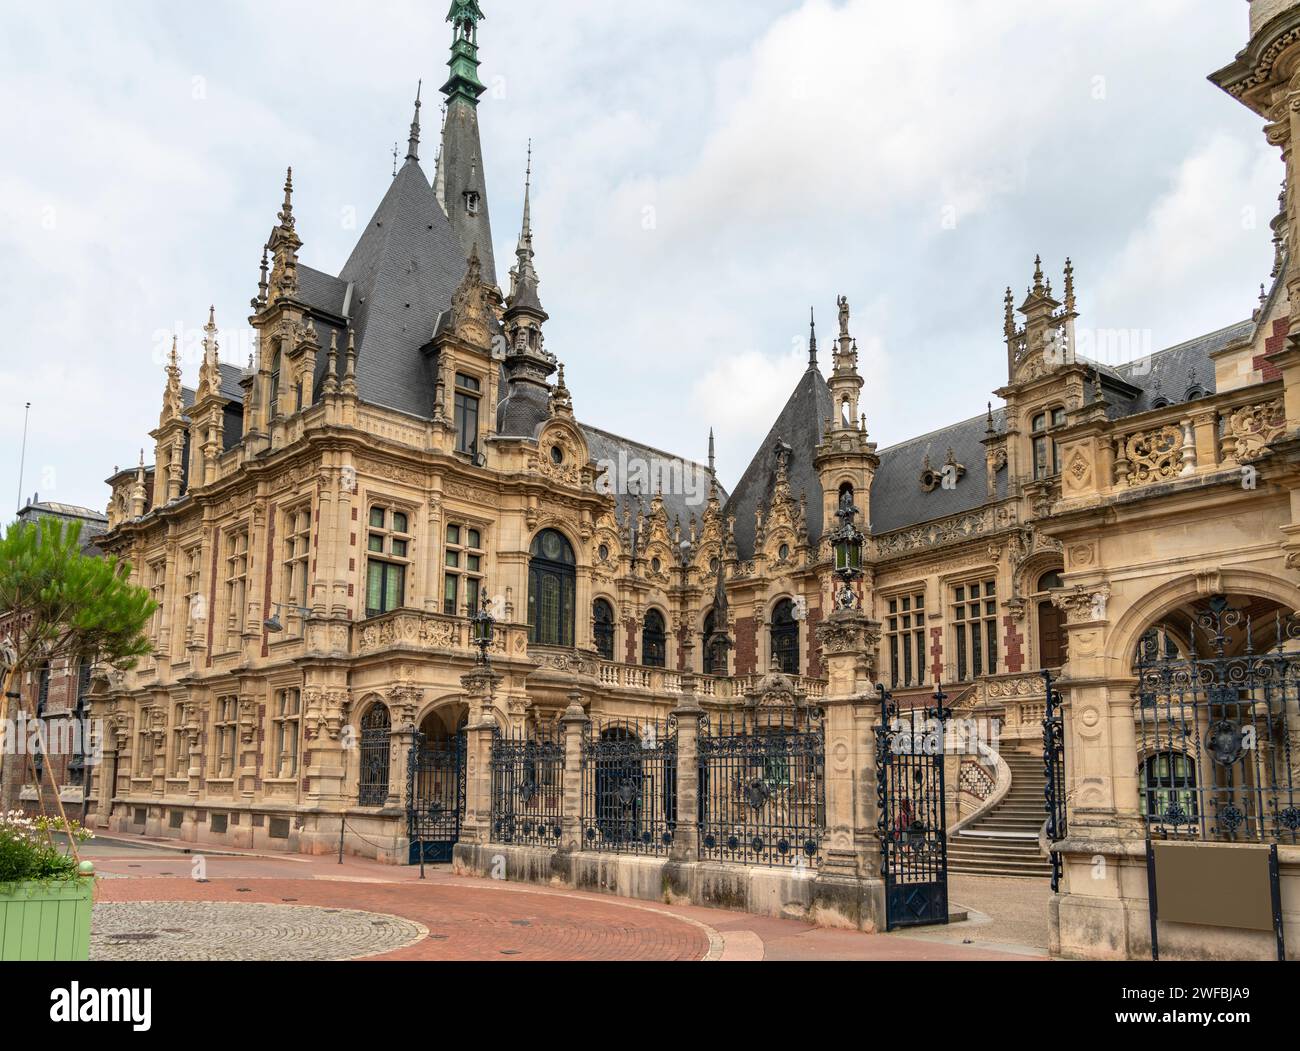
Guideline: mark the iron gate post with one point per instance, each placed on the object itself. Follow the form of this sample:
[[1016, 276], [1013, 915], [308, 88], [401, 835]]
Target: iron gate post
[[575, 723]]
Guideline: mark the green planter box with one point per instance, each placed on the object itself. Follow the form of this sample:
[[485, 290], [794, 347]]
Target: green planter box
[[46, 921]]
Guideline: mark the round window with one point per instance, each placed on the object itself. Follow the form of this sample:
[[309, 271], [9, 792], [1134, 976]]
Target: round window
[[785, 552], [656, 565], [557, 455], [713, 565], [603, 552]]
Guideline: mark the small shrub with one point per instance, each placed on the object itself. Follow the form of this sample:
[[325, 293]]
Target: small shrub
[[27, 853]]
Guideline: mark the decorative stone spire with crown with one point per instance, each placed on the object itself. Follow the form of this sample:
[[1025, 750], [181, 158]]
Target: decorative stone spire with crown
[[284, 246], [527, 359]]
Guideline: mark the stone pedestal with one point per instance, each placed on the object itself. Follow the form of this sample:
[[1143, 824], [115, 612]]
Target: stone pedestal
[[849, 891], [686, 836], [480, 685]]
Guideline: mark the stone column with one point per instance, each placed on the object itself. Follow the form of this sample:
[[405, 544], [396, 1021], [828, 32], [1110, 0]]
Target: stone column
[[689, 714], [575, 723], [479, 685], [849, 891]]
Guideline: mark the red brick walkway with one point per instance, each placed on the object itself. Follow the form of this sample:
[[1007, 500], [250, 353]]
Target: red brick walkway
[[472, 919]]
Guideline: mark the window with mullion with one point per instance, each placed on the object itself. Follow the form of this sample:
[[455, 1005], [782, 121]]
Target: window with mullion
[[463, 570], [905, 629], [388, 548], [974, 625]]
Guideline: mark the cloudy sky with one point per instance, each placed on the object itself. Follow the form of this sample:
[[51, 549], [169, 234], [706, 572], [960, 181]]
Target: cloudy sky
[[703, 173]]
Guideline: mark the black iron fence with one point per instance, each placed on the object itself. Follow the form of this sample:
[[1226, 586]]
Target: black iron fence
[[528, 788], [1218, 731], [629, 786], [1054, 771], [763, 788]]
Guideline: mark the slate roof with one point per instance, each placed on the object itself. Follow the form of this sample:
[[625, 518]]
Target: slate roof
[[94, 524], [799, 426], [404, 270], [686, 492], [897, 499], [1172, 373], [234, 413]]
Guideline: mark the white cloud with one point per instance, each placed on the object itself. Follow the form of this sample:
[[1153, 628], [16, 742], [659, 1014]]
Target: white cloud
[[792, 151]]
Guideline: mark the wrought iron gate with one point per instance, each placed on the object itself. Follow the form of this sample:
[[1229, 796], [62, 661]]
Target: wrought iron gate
[[913, 824], [1219, 735], [1054, 768], [435, 793]]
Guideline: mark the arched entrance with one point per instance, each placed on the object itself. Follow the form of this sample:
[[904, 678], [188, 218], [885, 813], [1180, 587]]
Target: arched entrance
[[1218, 728], [436, 785]]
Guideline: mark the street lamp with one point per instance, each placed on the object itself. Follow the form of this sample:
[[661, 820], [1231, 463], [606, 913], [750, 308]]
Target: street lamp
[[482, 629], [273, 624], [846, 541]]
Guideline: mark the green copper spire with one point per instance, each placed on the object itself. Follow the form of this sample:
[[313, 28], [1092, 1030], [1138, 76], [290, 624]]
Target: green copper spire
[[465, 15]]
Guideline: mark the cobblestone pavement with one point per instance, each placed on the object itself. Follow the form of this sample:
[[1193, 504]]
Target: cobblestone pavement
[[475, 919], [175, 930]]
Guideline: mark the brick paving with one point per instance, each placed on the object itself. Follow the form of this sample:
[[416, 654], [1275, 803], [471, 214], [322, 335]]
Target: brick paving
[[472, 919]]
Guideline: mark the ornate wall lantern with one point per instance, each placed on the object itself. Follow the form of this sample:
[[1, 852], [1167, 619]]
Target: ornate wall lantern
[[847, 541], [483, 628]]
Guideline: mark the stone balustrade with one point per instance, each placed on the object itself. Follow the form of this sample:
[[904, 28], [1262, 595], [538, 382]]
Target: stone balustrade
[[1196, 437]]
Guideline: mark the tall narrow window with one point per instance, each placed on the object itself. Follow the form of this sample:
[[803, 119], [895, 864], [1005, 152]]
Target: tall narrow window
[[157, 592], [388, 546], [975, 629], [1047, 454], [468, 390], [785, 637], [80, 726], [227, 723], [462, 579], [297, 561], [180, 743], [654, 640], [194, 615], [276, 359], [715, 653], [236, 586], [905, 631], [285, 732], [602, 619], [552, 587]]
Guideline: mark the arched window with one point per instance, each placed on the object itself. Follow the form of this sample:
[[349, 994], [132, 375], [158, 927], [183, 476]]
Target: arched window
[[602, 617], [1052, 648], [376, 751], [1169, 789], [552, 586], [785, 637], [654, 640], [715, 654]]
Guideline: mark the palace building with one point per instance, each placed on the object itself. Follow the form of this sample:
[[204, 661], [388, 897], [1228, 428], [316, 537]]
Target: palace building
[[320, 530]]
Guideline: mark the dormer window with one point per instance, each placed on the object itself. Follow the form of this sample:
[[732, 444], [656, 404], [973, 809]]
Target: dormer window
[[1047, 454], [468, 390]]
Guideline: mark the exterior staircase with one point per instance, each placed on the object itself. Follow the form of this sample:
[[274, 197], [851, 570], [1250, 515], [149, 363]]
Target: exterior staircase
[[1004, 842]]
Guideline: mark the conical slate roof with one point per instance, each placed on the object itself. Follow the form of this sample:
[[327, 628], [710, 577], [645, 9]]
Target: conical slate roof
[[403, 270], [800, 427]]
